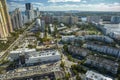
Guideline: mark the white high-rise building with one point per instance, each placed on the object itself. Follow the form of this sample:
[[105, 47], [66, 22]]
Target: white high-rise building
[[36, 13], [93, 19], [42, 25], [25, 19], [17, 19], [38, 23]]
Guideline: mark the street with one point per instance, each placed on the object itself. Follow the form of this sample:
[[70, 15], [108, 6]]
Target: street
[[15, 43]]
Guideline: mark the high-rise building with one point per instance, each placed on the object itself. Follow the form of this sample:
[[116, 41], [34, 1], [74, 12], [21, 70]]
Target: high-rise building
[[38, 23], [36, 13], [93, 19], [115, 19], [5, 23], [25, 19], [29, 6], [16, 19], [66, 19], [29, 12], [42, 25]]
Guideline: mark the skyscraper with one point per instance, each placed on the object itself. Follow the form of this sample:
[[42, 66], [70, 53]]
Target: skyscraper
[[42, 25], [16, 19], [29, 12], [25, 19], [36, 13], [29, 6], [5, 23]]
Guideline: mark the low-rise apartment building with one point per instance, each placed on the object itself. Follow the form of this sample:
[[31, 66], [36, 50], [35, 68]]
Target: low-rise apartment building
[[77, 51], [99, 38], [102, 63], [104, 49], [91, 75], [88, 37]]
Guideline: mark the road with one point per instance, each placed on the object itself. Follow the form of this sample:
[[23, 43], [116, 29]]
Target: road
[[29, 71], [15, 43]]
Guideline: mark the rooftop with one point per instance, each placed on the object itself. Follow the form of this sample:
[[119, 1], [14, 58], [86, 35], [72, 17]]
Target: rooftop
[[113, 28], [103, 61], [96, 76], [43, 54], [22, 50]]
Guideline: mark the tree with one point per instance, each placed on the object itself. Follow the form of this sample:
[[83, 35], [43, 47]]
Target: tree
[[78, 77], [75, 72], [65, 47], [118, 76], [58, 79], [70, 58], [55, 31], [37, 34], [46, 30], [16, 47], [31, 46], [49, 30], [62, 64], [77, 68], [67, 75], [1, 70]]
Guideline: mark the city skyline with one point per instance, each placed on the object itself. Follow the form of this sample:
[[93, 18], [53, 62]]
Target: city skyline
[[59, 39], [66, 5]]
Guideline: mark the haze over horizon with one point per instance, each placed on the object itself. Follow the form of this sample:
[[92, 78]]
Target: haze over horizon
[[66, 5]]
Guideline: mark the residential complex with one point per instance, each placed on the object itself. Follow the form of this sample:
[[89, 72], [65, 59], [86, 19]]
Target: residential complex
[[66, 38], [16, 18], [66, 19], [102, 63], [110, 29], [58, 40], [5, 23], [91, 75], [104, 49], [99, 38], [77, 51], [95, 19]]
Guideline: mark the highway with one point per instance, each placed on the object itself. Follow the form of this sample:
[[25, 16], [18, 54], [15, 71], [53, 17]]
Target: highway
[[15, 43]]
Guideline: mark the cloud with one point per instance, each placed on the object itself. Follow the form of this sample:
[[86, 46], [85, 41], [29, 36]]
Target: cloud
[[83, 7], [13, 5], [37, 3], [18, 0], [116, 4], [84, 1], [64, 1]]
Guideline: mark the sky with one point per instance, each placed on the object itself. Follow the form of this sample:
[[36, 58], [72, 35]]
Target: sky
[[66, 5]]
